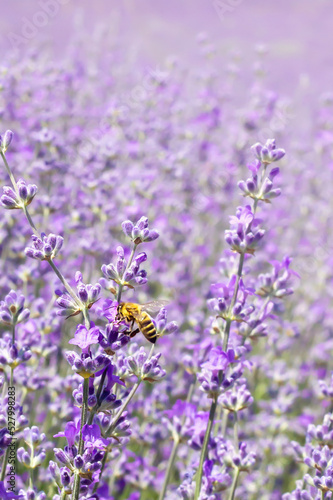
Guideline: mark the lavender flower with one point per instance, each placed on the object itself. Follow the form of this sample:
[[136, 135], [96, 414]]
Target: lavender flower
[[12, 309], [24, 195], [143, 368], [87, 295], [268, 152], [44, 247], [124, 275], [139, 232], [245, 232]]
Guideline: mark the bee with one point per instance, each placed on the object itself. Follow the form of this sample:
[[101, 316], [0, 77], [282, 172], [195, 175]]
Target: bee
[[136, 313]]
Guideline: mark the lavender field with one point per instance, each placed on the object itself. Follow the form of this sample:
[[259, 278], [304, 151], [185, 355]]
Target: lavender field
[[166, 237]]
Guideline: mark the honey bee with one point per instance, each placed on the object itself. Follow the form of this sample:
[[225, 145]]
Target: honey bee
[[136, 313]]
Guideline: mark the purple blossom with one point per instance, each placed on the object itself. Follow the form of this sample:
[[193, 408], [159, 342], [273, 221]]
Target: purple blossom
[[92, 437], [125, 275], [245, 233], [139, 232], [44, 247], [85, 338], [24, 195], [268, 152]]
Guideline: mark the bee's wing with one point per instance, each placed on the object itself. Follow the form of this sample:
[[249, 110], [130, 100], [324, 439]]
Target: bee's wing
[[154, 306]]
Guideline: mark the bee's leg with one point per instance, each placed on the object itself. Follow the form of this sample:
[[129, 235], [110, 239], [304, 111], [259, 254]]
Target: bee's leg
[[133, 332]]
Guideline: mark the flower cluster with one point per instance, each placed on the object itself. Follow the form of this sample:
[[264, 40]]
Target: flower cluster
[[107, 391]]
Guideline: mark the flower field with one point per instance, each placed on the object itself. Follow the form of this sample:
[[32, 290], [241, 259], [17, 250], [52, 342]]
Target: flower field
[[166, 276]]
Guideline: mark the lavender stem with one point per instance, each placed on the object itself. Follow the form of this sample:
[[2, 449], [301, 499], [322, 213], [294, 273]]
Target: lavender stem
[[175, 448], [84, 411]]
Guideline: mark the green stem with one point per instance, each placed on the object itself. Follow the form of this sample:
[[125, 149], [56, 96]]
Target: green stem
[[28, 216], [4, 464], [169, 468], [236, 431], [31, 482], [11, 176], [13, 333], [123, 408], [11, 368], [175, 448], [84, 411], [63, 495], [234, 485], [86, 318], [204, 449]]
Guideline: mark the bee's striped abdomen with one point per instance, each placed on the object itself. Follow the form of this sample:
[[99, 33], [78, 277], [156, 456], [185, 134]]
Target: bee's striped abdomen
[[147, 327]]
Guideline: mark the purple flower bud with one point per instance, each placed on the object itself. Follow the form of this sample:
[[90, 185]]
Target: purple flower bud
[[61, 456], [142, 223], [141, 257], [127, 226], [65, 477], [153, 235], [6, 140], [78, 462]]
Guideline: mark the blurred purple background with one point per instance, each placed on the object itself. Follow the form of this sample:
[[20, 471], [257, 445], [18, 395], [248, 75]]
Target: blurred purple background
[[298, 33]]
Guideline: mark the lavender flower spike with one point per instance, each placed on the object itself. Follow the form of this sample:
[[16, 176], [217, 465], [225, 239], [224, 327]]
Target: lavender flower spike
[[139, 232], [44, 247], [268, 153], [12, 200]]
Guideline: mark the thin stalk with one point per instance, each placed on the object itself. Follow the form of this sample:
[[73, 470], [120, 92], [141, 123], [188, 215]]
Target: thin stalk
[[11, 368], [10, 173], [236, 430], [63, 495], [123, 408], [84, 411], [28, 216], [175, 447], [31, 482], [86, 318], [204, 448], [11, 381], [13, 332], [234, 485], [4, 464], [169, 468]]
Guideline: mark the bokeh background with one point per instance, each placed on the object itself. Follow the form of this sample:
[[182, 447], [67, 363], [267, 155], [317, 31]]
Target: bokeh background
[[298, 32]]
